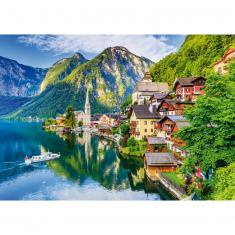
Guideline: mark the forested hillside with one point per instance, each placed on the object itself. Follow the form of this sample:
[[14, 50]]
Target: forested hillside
[[195, 57]]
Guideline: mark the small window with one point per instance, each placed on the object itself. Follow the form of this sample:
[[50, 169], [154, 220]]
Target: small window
[[145, 122], [151, 130], [145, 130]]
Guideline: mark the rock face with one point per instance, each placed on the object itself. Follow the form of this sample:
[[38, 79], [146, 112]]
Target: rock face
[[110, 77], [19, 80]]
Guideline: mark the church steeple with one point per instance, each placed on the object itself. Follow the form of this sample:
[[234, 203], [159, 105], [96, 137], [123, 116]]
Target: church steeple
[[87, 110]]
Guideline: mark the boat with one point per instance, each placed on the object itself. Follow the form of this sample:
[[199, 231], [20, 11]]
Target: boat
[[40, 158]]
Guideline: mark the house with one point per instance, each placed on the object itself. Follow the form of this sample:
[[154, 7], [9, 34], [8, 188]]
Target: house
[[156, 98], [156, 144], [169, 125], [108, 120], [60, 120], [221, 65], [142, 121], [155, 163], [146, 88], [187, 89], [172, 107]]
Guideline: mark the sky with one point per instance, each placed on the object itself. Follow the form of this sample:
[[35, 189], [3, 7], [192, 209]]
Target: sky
[[44, 50]]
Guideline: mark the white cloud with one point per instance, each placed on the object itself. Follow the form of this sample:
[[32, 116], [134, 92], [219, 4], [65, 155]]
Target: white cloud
[[148, 46]]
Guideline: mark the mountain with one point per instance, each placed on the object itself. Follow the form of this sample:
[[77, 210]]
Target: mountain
[[61, 69], [18, 79], [195, 57], [11, 103], [110, 78]]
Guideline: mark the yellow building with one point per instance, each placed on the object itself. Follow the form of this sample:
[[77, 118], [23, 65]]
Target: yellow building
[[143, 120]]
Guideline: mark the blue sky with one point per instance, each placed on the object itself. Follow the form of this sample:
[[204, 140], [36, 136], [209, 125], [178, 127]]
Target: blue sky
[[44, 50]]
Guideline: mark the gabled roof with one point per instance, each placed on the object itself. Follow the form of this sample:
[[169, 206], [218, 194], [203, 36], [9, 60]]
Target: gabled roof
[[156, 140], [152, 86], [186, 81], [179, 120], [143, 112], [174, 118], [172, 102], [155, 159]]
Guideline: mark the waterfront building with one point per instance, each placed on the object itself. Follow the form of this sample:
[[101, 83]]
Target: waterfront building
[[108, 120], [188, 89], [155, 163], [142, 121], [146, 88]]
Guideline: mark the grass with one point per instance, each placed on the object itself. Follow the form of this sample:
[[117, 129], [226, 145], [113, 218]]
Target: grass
[[175, 177]]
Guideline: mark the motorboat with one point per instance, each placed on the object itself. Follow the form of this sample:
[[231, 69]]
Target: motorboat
[[40, 158]]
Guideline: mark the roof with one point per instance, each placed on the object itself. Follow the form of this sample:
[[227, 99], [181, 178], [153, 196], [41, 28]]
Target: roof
[[156, 140], [173, 102], [147, 76], [154, 159], [143, 111], [186, 81], [174, 118], [152, 86]]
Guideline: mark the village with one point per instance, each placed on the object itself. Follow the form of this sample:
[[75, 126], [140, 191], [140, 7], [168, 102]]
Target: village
[[147, 126]]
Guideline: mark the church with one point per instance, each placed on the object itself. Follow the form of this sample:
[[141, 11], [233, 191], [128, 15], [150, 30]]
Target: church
[[85, 116]]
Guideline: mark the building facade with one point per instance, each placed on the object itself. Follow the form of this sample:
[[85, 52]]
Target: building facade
[[146, 88], [142, 121], [187, 89]]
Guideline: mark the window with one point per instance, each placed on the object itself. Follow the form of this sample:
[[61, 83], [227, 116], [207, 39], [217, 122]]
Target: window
[[145, 130], [151, 130], [152, 122], [145, 122]]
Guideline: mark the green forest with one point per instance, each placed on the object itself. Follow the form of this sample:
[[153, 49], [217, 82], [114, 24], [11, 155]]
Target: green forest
[[195, 57]]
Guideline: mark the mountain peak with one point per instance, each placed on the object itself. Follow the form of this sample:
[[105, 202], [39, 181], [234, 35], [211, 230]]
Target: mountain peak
[[80, 56]]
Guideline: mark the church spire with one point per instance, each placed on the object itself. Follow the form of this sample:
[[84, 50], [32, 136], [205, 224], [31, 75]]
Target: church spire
[[87, 110]]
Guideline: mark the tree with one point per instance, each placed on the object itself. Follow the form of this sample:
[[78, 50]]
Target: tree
[[70, 119], [126, 103], [223, 184], [131, 142], [210, 137], [80, 123], [125, 128]]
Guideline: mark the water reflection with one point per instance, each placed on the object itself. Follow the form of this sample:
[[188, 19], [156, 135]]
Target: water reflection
[[89, 167]]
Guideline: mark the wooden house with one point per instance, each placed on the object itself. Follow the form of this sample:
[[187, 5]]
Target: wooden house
[[172, 107], [155, 163], [170, 125], [156, 144], [187, 89]]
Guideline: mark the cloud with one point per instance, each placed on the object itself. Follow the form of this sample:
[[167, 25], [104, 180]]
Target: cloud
[[149, 46]]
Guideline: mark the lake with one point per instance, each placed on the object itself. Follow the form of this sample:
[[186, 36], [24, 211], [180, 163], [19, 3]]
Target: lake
[[89, 168]]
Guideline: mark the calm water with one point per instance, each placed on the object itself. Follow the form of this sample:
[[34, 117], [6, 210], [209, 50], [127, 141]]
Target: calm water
[[89, 168]]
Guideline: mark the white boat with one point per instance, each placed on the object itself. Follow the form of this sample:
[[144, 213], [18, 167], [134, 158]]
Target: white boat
[[40, 158]]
